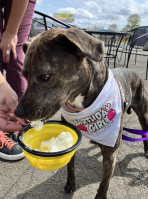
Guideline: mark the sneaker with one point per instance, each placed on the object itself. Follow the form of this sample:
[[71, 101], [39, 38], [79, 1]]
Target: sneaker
[[14, 136], [9, 150]]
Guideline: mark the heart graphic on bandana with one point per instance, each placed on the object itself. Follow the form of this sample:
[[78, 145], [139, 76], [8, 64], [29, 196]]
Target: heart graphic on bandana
[[82, 128], [111, 114]]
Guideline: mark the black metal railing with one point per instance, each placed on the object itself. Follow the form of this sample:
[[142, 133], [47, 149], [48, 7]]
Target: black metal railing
[[51, 18]]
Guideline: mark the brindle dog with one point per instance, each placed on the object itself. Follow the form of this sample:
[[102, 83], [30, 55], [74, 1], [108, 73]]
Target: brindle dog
[[59, 65]]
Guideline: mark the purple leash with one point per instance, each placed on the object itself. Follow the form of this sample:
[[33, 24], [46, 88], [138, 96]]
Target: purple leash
[[136, 132]]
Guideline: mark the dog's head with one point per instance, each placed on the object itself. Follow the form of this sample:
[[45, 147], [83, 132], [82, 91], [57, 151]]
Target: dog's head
[[56, 70]]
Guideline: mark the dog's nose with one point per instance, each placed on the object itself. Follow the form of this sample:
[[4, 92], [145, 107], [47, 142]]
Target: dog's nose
[[19, 111]]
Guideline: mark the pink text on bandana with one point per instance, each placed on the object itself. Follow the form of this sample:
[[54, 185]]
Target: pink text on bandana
[[96, 121]]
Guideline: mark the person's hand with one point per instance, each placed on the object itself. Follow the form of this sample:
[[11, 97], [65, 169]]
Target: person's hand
[[8, 103], [8, 96], [8, 121], [8, 43]]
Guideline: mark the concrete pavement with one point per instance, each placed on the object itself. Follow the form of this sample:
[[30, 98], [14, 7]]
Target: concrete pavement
[[19, 180]]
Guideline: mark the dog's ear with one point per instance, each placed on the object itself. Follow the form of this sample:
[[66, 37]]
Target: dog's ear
[[68, 45], [85, 44], [27, 43]]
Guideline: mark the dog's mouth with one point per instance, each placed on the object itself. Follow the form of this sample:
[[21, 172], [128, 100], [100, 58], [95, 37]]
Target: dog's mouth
[[26, 121], [36, 124], [29, 121], [38, 117]]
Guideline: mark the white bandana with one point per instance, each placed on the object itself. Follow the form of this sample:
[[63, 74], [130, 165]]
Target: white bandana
[[101, 120]]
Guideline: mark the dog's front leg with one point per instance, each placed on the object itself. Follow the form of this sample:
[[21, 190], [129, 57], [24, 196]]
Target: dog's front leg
[[109, 160], [70, 184]]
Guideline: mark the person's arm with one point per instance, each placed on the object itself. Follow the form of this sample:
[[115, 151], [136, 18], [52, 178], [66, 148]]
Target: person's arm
[[18, 9], [8, 103], [9, 37], [2, 79], [7, 94]]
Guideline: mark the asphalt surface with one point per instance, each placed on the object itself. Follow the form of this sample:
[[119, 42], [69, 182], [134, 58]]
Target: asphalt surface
[[19, 180]]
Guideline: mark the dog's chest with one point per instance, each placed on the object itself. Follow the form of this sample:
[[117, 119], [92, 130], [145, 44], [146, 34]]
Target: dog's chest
[[78, 102]]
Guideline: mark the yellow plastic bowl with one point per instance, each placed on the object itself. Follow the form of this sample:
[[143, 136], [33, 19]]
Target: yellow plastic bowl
[[30, 139]]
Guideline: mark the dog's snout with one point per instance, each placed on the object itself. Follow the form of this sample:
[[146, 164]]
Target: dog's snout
[[19, 111]]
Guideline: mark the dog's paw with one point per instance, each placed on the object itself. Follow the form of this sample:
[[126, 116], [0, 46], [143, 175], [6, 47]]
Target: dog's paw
[[69, 188]]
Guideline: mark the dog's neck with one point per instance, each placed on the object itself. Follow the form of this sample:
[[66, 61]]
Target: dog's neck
[[97, 79], [78, 102]]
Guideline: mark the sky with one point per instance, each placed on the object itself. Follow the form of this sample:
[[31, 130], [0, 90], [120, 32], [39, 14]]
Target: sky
[[100, 13]]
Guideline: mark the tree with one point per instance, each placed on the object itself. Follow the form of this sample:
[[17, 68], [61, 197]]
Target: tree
[[113, 27], [97, 27], [132, 21]]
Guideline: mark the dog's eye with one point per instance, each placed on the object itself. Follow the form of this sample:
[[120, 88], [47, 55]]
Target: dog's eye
[[44, 78]]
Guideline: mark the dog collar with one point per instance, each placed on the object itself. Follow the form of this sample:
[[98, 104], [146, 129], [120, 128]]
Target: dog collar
[[72, 109]]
